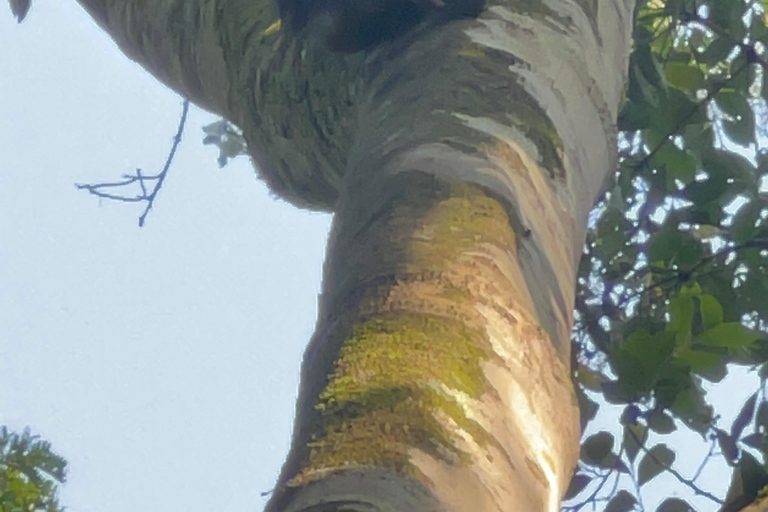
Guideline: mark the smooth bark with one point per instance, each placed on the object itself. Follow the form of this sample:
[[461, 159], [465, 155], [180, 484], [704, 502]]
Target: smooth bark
[[461, 163]]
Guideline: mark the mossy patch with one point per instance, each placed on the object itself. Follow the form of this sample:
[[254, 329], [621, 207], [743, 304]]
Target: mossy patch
[[388, 393]]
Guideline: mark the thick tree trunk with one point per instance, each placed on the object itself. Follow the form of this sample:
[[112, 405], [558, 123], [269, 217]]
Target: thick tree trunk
[[461, 163]]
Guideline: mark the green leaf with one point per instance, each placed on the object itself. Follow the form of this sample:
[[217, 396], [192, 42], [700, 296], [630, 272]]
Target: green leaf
[[741, 131], [725, 17], [669, 245], [732, 335], [20, 8], [672, 381], [745, 224], [578, 483], [589, 378], [711, 311], [663, 245], [597, 447], [227, 138], [675, 505], [684, 76], [654, 462], [690, 254], [613, 241], [727, 446], [744, 416], [742, 126], [614, 463], [681, 319], [707, 363], [660, 422], [634, 116], [651, 350], [729, 166], [692, 408], [679, 164], [622, 502], [587, 408], [633, 379], [29, 473], [733, 103], [717, 51], [748, 478], [614, 393], [648, 65], [630, 444]]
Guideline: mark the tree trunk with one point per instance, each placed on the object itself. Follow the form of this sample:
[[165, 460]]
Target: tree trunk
[[461, 162]]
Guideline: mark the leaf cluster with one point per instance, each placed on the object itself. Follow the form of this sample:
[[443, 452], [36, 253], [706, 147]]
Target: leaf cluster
[[673, 285], [29, 473]]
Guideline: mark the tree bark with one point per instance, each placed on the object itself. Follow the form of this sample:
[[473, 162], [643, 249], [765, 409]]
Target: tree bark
[[461, 162]]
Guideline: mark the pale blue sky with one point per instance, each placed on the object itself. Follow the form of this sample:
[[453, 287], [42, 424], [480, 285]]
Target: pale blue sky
[[161, 362]]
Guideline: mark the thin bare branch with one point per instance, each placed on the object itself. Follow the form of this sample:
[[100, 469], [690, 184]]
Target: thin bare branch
[[104, 189]]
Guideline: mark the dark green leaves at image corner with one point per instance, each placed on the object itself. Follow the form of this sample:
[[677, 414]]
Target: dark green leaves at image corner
[[29, 473], [688, 300]]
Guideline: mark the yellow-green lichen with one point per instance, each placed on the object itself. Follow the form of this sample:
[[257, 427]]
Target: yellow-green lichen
[[409, 348], [387, 394]]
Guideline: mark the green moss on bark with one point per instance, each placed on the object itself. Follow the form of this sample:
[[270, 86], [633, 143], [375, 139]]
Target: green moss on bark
[[396, 385]]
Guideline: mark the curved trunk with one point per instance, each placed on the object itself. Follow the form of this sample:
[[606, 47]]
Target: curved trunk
[[461, 162]]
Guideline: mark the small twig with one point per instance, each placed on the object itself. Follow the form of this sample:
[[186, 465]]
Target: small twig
[[683, 120], [141, 183], [695, 270], [102, 189], [705, 460], [672, 471], [592, 498]]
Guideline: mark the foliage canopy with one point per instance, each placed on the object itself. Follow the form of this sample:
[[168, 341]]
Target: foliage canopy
[[29, 473], [673, 285]]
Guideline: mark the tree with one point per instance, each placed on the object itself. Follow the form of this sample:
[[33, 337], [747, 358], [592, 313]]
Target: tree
[[442, 355], [29, 473]]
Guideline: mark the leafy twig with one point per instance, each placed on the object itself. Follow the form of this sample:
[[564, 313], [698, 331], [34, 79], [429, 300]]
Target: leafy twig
[[672, 471]]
